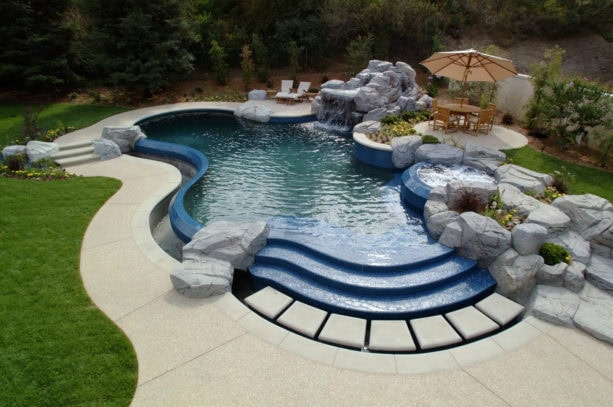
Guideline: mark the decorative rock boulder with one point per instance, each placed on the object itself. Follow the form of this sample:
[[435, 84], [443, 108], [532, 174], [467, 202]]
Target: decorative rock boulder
[[528, 238], [439, 154], [236, 243], [368, 98], [554, 304], [512, 197], [203, 278], [595, 313], [13, 150], [403, 150], [482, 238], [600, 273], [38, 150], [253, 112], [106, 149], [124, 137], [553, 219], [452, 235], [574, 278], [522, 178], [551, 275], [590, 215], [578, 247], [482, 158], [257, 94], [437, 223], [380, 113], [369, 127], [516, 275]]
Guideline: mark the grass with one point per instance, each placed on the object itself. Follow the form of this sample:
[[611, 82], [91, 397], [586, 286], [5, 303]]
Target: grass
[[585, 179], [57, 348], [51, 117]]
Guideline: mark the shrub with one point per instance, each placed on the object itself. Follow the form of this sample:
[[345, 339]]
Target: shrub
[[560, 180], [218, 60], [359, 52], [246, 66], [390, 119], [16, 162], [507, 119], [554, 254], [429, 139], [468, 201]]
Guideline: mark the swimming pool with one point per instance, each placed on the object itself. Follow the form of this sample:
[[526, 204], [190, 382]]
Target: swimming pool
[[262, 171]]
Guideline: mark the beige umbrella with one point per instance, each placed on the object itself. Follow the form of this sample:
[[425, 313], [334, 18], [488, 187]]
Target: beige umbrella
[[469, 66]]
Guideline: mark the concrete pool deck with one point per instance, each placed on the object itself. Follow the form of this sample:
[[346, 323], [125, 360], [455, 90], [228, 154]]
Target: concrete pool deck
[[196, 352]]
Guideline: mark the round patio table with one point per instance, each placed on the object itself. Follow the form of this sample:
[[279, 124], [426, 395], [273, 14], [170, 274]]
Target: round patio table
[[462, 110]]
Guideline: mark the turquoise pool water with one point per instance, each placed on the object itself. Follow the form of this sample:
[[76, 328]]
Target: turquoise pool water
[[262, 171]]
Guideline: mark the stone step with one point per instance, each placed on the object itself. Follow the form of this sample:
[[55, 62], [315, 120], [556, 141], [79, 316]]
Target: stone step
[[73, 152], [77, 160], [75, 145], [489, 316]]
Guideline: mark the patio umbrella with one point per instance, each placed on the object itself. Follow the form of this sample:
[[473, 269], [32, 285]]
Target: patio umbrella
[[469, 66]]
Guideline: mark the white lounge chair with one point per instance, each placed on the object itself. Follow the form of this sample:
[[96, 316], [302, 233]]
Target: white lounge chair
[[286, 91]]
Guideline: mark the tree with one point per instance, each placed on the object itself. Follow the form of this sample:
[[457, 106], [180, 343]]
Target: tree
[[359, 52], [139, 44], [246, 66], [35, 44], [260, 53], [218, 59]]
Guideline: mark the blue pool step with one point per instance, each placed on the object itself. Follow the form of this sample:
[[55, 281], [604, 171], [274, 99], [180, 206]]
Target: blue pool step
[[410, 282]]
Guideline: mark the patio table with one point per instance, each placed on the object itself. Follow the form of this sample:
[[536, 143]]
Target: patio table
[[462, 110]]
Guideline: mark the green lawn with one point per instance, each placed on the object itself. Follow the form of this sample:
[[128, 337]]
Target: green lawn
[[51, 117], [585, 180], [57, 348]]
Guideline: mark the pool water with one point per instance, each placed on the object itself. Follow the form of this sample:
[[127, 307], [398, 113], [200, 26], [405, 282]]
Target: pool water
[[262, 171]]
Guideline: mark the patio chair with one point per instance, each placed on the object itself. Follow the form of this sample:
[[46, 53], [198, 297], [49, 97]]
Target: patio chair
[[303, 89], [446, 120], [481, 122], [434, 112], [492, 107], [286, 91]]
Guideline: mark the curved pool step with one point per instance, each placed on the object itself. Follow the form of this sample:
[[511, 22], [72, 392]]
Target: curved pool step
[[77, 153], [392, 280], [486, 317]]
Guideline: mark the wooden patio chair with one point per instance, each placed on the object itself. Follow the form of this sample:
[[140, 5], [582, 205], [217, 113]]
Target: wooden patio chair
[[481, 122], [446, 120], [434, 112]]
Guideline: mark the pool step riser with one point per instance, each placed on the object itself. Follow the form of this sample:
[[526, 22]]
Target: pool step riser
[[357, 266], [322, 272], [413, 307]]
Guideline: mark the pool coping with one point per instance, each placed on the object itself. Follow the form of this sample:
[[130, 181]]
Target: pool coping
[[165, 180]]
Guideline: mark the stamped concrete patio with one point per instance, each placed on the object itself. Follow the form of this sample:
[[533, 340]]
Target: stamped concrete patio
[[196, 352]]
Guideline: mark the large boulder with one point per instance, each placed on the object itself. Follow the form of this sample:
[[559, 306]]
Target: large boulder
[[522, 178], [439, 154], [528, 238], [13, 150], [257, 94], [403, 150], [406, 74], [483, 158], [554, 304], [590, 215], [203, 278], [482, 238], [380, 113], [407, 104], [553, 219], [574, 278], [233, 242], [437, 223], [552, 275], [513, 198], [516, 275], [106, 149], [38, 150], [256, 113], [595, 313], [578, 247], [124, 137], [600, 273], [368, 127]]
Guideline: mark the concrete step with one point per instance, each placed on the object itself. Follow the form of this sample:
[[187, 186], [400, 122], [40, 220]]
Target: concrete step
[[73, 152], [489, 316], [75, 145], [77, 160]]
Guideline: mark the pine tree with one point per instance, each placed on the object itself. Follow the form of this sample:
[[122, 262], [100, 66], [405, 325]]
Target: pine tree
[[139, 44]]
